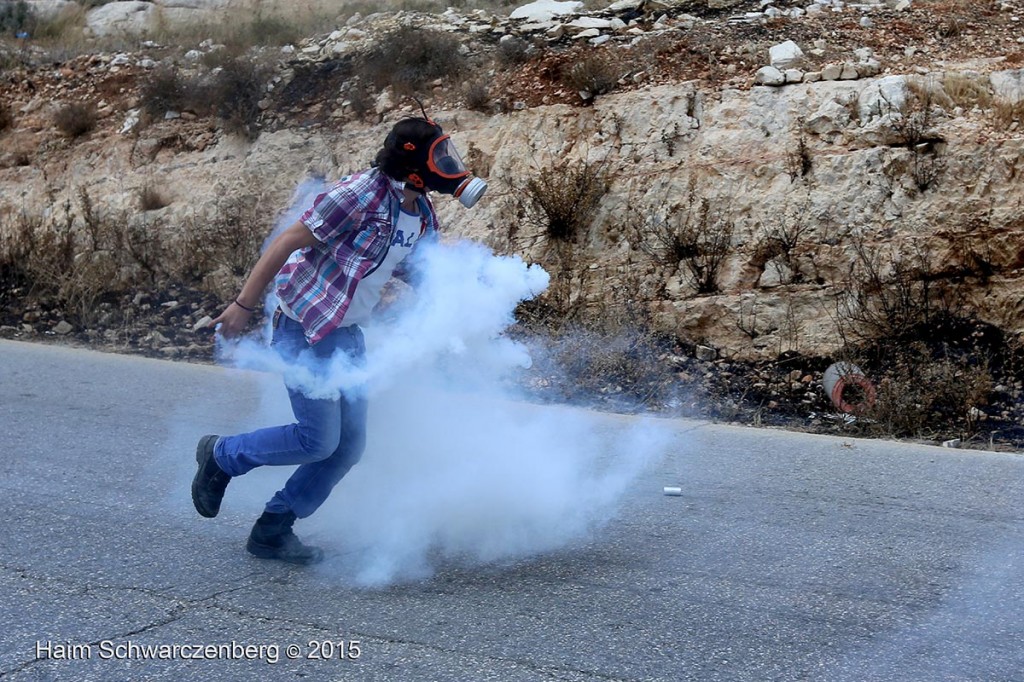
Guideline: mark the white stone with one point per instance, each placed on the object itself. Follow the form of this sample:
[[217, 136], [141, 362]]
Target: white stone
[[849, 73], [769, 75], [776, 273], [870, 67], [538, 26], [814, 9], [545, 10], [831, 72], [882, 97], [785, 55], [130, 121], [624, 5], [590, 22], [794, 75], [705, 353], [197, 4], [600, 40], [589, 33]]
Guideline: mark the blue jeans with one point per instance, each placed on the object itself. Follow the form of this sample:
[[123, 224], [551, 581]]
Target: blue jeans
[[327, 439]]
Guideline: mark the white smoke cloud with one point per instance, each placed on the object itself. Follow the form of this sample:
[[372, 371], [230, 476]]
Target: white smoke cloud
[[457, 467]]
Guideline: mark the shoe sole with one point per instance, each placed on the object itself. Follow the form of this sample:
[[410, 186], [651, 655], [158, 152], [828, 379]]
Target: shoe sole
[[200, 454], [268, 552]]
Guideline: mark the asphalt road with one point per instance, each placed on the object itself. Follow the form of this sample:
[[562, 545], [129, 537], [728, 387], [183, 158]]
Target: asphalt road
[[787, 557]]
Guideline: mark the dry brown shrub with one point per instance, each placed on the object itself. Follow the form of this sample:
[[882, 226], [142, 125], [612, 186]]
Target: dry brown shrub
[[562, 199], [76, 119], [596, 73], [478, 96], [409, 58], [696, 236], [601, 350], [923, 393]]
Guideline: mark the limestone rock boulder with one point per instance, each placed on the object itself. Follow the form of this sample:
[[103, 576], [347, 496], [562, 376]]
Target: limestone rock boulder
[[1008, 85], [123, 18]]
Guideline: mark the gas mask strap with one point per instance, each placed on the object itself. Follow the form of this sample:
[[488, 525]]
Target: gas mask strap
[[422, 109]]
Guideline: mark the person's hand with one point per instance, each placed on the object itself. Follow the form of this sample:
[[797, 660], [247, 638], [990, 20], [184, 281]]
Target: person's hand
[[232, 321]]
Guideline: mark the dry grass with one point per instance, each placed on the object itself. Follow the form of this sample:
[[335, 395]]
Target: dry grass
[[1006, 113], [967, 91], [919, 394]]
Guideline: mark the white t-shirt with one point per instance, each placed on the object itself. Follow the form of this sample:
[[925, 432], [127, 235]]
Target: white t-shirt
[[369, 289]]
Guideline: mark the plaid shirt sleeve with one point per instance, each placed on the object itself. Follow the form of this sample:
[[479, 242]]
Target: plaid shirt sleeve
[[333, 213]]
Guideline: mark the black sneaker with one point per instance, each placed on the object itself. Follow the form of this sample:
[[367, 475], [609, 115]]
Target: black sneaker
[[272, 538], [210, 481]]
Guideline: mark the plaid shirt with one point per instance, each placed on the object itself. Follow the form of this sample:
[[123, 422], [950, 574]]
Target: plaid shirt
[[354, 222]]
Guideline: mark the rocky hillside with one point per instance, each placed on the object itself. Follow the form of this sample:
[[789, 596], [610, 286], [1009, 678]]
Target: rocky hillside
[[752, 181]]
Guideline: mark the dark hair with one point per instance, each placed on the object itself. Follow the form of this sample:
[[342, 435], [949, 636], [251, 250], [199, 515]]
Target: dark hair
[[397, 161]]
